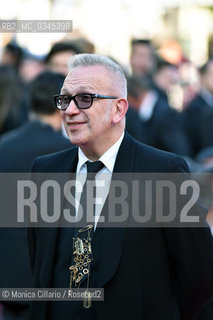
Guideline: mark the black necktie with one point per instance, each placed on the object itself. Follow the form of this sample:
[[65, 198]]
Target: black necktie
[[92, 169], [82, 241]]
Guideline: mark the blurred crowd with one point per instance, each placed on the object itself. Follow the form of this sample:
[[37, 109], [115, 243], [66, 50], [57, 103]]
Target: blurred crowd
[[175, 109], [170, 105], [170, 108]]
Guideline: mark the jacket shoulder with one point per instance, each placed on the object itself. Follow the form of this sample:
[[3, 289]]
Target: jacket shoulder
[[55, 162], [156, 160]]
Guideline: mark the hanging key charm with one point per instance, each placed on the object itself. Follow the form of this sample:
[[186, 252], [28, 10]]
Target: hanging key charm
[[73, 274]]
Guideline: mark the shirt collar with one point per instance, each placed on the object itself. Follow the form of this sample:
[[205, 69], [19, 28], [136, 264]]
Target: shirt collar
[[108, 158]]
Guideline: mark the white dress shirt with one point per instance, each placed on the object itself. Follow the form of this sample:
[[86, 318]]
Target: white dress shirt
[[147, 106], [102, 178]]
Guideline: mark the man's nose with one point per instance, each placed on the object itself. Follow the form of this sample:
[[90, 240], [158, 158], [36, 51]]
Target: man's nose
[[72, 108]]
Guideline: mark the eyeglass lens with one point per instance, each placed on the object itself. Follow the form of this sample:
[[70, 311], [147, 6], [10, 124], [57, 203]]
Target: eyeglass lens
[[82, 101]]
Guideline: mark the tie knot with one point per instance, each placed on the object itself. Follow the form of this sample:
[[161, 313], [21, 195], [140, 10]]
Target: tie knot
[[94, 167]]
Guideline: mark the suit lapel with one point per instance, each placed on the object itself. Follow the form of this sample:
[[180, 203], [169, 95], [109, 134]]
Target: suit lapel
[[113, 238], [69, 162], [50, 235]]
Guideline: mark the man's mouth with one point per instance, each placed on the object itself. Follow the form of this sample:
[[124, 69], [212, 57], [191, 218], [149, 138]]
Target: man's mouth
[[75, 123]]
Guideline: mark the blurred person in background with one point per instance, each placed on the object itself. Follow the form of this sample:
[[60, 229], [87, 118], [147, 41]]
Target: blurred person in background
[[18, 149], [206, 128], [12, 55], [41, 135], [161, 125], [31, 67], [134, 124], [196, 115], [11, 92], [164, 77], [27, 67], [189, 81], [205, 157], [203, 161], [142, 57], [56, 60], [83, 45]]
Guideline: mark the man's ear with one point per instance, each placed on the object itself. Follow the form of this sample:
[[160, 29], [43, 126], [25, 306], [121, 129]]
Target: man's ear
[[120, 109]]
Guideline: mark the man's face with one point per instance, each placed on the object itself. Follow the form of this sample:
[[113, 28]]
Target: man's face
[[166, 77], [58, 62], [92, 126], [141, 59]]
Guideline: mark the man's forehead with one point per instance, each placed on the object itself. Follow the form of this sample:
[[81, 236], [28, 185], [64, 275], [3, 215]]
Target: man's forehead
[[90, 70], [86, 77]]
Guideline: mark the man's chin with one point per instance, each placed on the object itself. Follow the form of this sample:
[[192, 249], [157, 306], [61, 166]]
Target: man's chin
[[78, 141]]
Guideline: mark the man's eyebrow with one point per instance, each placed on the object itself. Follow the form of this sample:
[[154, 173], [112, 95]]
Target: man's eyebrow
[[85, 89]]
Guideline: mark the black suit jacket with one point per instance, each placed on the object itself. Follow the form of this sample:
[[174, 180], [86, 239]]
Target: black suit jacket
[[135, 126], [146, 273], [206, 128], [164, 131], [194, 119], [20, 147]]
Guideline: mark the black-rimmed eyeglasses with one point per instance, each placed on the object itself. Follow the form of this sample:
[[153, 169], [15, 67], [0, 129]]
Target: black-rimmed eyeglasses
[[81, 100]]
